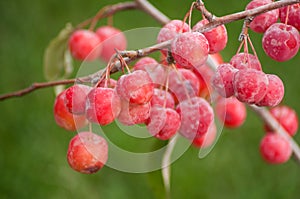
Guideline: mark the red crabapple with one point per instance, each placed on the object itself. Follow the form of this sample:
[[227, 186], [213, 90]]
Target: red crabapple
[[136, 87], [161, 96], [222, 81], [64, 118], [102, 106], [275, 149], [111, 39], [204, 74], [207, 139], [217, 37], [281, 42], [294, 15], [250, 85], [286, 117], [275, 92], [231, 112], [163, 123], [75, 98], [171, 30], [87, 152], [245, 60], [84, 45], [190, 49], [111, 83], [133, 113], [156, 71], [263, 21], [196, 117], [183, 83]]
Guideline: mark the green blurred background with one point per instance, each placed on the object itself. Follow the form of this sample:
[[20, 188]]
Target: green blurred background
[[33, 148]]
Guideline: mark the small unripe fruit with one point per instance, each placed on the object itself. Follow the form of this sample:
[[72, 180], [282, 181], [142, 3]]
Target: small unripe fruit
[[275, 149], [136, 87], [84, 45], [64, 118], [103, 105], [87, 152]]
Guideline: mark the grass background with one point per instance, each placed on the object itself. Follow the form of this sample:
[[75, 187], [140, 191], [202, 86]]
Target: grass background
[[33, 148]]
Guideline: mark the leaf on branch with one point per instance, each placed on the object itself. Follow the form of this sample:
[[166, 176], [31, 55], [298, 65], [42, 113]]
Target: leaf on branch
[[57, 58]]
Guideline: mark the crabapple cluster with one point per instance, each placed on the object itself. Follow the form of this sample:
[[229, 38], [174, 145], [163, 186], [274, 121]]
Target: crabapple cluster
[[173, 95], [281, 40]]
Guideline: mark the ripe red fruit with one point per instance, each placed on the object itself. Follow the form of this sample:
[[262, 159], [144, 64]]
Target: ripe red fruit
[[286, 117], [156, 71], [217, 37], [75, 98], [190, 49], [231, 112], [204, 74], [183, 83], [163, 123], [111, 38], [222, 81], [250, 85], [171, 30], [84, 45], [87, 152], [160, 96], [133, 113], [245, 60], [64, 118], [275, 149], [103, 105], [281, 42], [275, 92], [196, 117], [263, 21], [136, 87], [294, 15], [207, 139]]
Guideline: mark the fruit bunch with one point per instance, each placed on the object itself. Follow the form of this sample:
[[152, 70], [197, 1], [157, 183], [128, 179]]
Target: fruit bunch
[[177, 93]]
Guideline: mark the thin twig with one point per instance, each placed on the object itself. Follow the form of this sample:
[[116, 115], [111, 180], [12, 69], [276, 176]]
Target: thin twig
[[36, 86], [166, 170], [152, 11], [108, 11]]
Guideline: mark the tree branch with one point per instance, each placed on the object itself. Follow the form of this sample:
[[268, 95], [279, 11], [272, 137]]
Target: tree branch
[[152, 11], [36, 86], [217, 21]]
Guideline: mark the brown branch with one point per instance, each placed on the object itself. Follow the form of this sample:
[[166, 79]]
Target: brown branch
[[152, 11], [108, 11], [217, 21], [36, 86]]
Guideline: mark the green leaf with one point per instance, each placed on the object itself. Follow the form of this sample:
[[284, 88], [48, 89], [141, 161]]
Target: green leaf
[[57, 58]]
